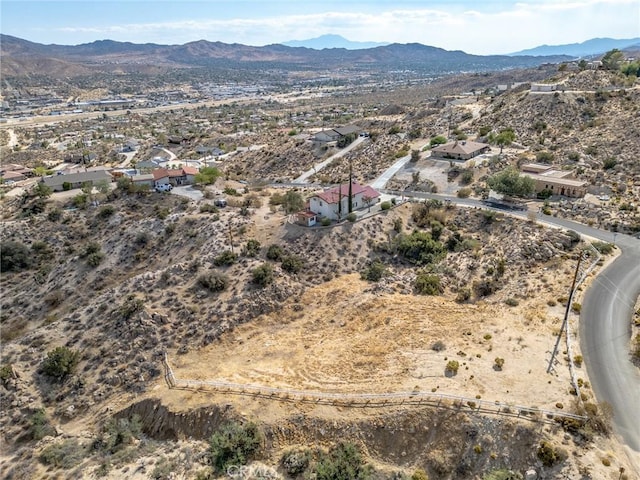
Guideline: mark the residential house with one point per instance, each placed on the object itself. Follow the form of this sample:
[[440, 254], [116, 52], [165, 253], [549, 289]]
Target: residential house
[[544, 87], [69, 181], [15, 173], [149, 165], [143, 180], [190, 174], [558, 182], [334, 203], [160, 177], [335, 134], [460, 150]]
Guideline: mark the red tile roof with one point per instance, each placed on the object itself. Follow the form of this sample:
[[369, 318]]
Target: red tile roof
[[190, 170], [334, 194], [175, 172], [159, 173]]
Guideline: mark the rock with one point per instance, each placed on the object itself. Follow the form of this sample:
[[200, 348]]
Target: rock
[[531, 474]]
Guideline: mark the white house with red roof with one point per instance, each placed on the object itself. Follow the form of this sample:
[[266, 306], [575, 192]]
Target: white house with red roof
[[334, 203]]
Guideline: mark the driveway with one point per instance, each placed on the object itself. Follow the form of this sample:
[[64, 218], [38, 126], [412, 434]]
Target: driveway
[[189, 192], [319, 166]]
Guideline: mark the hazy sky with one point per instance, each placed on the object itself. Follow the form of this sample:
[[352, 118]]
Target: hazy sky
[[482, 27]]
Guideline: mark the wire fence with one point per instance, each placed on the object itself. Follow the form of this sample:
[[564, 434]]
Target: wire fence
[[372, 400]]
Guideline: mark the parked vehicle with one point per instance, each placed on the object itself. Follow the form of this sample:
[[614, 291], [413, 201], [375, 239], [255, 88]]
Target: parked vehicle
[[165, 187]]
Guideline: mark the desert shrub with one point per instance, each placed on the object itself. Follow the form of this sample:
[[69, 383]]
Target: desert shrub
[[118, 433], [576, 307], [66, 454], [275, 252], [452, 367], [234, 444], [463, 295], [6, 373], [92, 254], [208, 208], [603, 247], [397, 225], [577, 360], [544, 157], [80, 201], [550, 455], [420, 248], [325, 222], [499, 363], [438, 346], [485, 287], [14, 256], [225, 259], [512, 302], [374, 272], [352, 217], [60, 362], [296, 461], [428, 284], [231, 191], [106, 212], [130, 307], [252, 248], [385, 205], [262, 275], [464, 192], [54, 215], [292, 263], [213, 281], [343, 462], [40, 426], [142, 239], [609, 163], [436, 229], [466, 177], [419, 474]]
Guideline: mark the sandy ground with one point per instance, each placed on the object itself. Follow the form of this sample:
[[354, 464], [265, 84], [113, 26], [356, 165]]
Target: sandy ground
[[349, 339]]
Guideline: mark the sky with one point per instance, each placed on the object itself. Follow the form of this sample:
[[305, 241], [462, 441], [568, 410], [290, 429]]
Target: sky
[[474, 26]]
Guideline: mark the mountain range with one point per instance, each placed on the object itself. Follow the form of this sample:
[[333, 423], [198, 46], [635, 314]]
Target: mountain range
[[594, 46], [20, 57], [332, 41]]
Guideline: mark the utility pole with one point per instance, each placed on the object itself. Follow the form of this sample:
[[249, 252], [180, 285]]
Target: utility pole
[[566, 315], [350, 188]]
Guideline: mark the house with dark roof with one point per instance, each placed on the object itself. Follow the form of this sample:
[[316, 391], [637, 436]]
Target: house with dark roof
[[334, 202], [335, 134], [459, 150], [69, 181]]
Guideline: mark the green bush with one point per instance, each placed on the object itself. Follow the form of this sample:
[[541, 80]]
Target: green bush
[[252, 248], [428, 284], [225, 259], [14, 256], [60, 362], [452, 367], [419, 474], [438, 140], [385, 205], [208, 208], [6, 373], [106, 211], [325, 222], [499, 363], [550, 455], [464, 192], [352, 217], [39, 425], [234, 444], [343, 462], [374, 272], [262, 275], [118, 433], [467, 177], [609, 163], [603, 247], [213, 281], [275, 252], [419, 248], [66, 454], [292, 264], [296, 461]]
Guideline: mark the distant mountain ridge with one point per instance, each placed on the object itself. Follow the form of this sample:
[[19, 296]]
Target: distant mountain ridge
[[594, 46], [332, 41], [20, 57]]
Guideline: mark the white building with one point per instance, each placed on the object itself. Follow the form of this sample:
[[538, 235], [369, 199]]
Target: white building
[[334, 203]]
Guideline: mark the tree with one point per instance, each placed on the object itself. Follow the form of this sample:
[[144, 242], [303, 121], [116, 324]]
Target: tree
[[612, 59], [14, 256], [415, 155], [207, 176], [234, 444], [505, 138], [60, 362], [509, 182], [292, 202], [41, 190], [439, 140], [582, 65], [262, 275]]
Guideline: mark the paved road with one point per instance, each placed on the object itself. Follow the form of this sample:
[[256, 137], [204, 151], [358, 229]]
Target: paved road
[[189, 192], [316, 168], [604, 324], [380, 182]]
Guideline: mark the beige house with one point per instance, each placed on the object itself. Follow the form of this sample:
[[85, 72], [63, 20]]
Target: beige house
[[463, 150], [558, 182]]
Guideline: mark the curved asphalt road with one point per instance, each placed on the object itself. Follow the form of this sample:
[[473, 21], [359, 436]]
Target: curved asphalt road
[[605, 321]]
